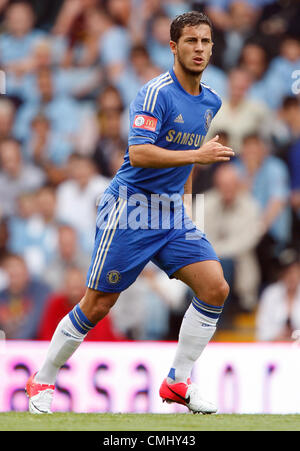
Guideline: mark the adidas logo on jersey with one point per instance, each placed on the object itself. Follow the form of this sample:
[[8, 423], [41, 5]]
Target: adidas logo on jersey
[[179, 119]]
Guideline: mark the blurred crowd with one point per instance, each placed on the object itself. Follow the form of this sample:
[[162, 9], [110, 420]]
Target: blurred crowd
[[72, 67]]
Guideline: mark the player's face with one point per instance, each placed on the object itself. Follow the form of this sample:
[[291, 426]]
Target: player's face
[[193, 49]]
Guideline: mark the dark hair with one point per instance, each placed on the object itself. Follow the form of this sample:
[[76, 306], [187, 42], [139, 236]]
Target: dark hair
[[222, 134], [290, 101], [76, 156], [190, 19], [255, 135], [21, 2], [287, 258], [10, 139], [140, 49], [259, 139], [47, 187], [12, 256]]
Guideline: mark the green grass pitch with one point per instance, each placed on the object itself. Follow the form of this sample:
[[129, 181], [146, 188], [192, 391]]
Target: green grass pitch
[[23, 421]]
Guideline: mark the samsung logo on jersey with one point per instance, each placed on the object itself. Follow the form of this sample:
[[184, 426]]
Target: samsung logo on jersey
[[185, 138]]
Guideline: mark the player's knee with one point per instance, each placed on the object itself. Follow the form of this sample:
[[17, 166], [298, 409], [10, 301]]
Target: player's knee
[[222, 292], [97, 304], [225, 290], [219, 293], [102, 306]]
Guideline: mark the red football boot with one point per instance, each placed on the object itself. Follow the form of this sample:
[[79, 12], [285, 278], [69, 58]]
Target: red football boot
[[40, 396], [186, 394]]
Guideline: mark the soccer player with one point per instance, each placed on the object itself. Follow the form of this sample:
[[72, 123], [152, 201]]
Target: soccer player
[[169, 119]]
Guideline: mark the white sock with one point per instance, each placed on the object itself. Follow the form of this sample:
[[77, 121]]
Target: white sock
[[195, 333], [65, 341]]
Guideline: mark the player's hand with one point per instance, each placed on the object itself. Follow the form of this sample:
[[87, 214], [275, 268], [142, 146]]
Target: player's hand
[[213, 152]]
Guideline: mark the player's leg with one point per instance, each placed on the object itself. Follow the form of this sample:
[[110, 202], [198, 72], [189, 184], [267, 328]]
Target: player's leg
[[119, 256], [190, 257], [72, 330], [69, 334], [206, 279], [200, 320], [95, 304]]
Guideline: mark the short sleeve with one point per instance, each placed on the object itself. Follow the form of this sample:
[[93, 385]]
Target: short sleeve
[[280, 189], [148, 112], [115, 46], [219, 4]]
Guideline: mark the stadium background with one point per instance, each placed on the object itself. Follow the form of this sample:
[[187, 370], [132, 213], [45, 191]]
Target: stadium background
[[71, 69]]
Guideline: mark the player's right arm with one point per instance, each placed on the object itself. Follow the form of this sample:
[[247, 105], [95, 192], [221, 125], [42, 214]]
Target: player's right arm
[[151, 156], [148, 112]]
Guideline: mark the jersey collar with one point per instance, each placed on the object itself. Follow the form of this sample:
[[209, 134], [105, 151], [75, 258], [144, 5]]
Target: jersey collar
[[190, 96]]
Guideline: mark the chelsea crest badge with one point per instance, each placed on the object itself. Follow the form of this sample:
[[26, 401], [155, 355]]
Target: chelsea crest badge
[[113, 277], [208, 118]]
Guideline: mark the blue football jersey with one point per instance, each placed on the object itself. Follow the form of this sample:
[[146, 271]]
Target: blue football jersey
[[164, 114]]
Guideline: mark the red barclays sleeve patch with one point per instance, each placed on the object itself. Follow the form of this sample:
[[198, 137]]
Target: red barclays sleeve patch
[[145, 122]]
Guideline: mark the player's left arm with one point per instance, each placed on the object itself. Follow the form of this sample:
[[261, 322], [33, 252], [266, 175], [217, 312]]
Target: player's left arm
[[187, 196]]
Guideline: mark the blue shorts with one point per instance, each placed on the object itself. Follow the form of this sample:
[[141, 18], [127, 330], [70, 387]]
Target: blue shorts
[[130, 234]]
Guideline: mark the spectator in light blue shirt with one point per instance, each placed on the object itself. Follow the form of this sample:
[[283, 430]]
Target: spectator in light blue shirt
[[63, 111], [224, 4], [268, 179], [221, 15], [33, 230], [175, 8], [46, 147], [279, 78], [158, 42], [17, 223], [114, 45], [137, 72], [46, 54], [216, 79], [16, 176], [254, 59], [17, 41]]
